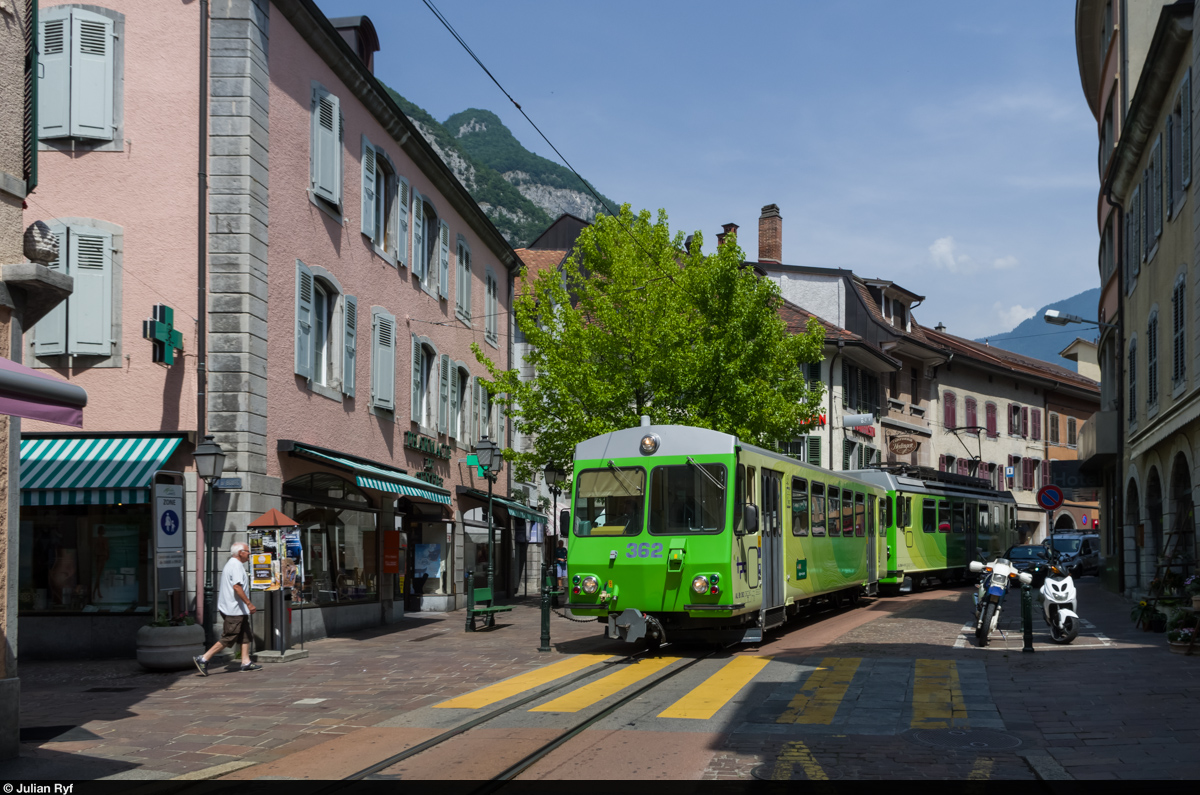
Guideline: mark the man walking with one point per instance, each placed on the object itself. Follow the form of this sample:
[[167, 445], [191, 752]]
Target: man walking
[[233, 603]]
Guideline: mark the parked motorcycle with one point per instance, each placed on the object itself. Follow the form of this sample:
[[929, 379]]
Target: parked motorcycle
[[1056, 592], [993, 588]]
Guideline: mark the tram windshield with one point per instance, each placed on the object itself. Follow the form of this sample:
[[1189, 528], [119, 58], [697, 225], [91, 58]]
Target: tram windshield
[[687, 499], [608, 502]]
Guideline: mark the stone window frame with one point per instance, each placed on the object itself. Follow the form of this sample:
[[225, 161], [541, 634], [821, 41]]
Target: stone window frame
[[117, 144]]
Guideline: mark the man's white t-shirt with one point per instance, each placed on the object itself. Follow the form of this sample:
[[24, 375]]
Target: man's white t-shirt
[[233, 574]]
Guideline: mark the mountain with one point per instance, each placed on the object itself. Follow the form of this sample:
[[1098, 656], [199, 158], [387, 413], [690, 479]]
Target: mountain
[[1038, 339], [520, 192]]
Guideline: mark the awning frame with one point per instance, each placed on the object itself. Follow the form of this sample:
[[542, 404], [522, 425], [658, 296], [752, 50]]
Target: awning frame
[[368, 474], [512, 507]]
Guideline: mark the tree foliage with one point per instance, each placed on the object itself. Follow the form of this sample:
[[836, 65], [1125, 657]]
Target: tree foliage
[[635, 324]]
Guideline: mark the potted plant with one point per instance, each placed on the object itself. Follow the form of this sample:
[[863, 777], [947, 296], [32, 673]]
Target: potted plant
[[1192, 586], [170, 643], [1142, 614], [1178, 640]]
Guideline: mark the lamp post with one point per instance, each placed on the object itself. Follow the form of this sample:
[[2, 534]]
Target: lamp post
[[554, 477], [489, 459], [1056, 318], [210, 462]]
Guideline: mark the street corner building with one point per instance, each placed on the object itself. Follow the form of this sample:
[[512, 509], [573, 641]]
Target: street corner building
[[309, 301]]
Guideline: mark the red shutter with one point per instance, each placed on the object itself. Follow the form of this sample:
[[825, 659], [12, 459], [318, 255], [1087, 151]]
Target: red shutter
[[972, 418], [1024, 421], [963, 467], [1046, 472], [992, 430], [1011, 411], [1037, 424], [950, 412], [941, 463]]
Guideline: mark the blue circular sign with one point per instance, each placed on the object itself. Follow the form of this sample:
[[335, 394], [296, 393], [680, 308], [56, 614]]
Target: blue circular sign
[[169, 522]]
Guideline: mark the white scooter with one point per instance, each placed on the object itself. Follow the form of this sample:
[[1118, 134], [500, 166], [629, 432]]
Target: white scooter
[[1058, 598], [993, 588]]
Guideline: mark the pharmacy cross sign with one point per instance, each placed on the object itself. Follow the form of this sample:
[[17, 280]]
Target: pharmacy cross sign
[[161, 331]]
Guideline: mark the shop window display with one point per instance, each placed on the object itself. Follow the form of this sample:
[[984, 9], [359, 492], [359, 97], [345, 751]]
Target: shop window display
[[338, 537]]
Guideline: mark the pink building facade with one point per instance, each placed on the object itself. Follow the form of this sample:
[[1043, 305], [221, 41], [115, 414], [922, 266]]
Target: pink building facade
[[347, 274]]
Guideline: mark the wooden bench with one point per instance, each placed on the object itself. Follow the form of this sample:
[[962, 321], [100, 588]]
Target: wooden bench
[[483, 606]]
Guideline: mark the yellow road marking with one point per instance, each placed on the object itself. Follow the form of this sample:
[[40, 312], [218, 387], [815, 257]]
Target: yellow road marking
[[822, 692], [797, 753], [982, 770], [715, 691], [937, 699], [615, 682], [519, 684]]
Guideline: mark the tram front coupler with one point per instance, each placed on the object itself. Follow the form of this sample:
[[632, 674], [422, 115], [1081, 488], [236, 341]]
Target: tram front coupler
[[632, 625]]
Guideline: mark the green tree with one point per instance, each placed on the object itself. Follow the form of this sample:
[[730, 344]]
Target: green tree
[[636, 324]]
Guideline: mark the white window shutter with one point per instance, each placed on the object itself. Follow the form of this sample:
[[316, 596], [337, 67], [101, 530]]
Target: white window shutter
[[501, 439], [54, 80], [444, 259], [403, 196], [417, 364], [350, 336], [1185, 132], [304, 320], [91, 75], [474, 418], [383, 359], [394, 241], [418, 235], [444, 396], [326, 170], [1169, 161], [89, 311], [368, 189], [454, 417], [50, 333], [1157, 187]]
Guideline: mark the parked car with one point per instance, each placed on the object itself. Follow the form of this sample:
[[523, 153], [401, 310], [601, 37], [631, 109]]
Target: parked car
[[1079, 553], [1025, 556]]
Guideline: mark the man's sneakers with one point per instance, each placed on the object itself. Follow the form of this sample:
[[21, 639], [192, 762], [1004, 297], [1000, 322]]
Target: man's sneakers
[[201, 665], [251, 667]]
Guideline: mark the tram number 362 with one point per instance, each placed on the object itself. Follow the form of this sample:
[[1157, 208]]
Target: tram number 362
[[643, 550]]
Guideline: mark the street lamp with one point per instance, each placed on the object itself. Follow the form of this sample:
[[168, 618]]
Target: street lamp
[[210, 462], [491, 460], [1057, 318]]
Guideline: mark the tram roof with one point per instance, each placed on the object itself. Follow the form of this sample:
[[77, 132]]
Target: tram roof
[[673, 440], [896, 482]]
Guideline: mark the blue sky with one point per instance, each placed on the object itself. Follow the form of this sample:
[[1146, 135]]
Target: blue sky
[[946, 146]]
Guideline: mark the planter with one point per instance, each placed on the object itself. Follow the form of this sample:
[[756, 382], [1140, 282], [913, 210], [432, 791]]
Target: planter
[[1196, 602], [1181, 648], [169, 648], [1158, 622]]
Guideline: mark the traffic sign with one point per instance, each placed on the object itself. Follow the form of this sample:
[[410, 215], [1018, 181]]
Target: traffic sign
[[1050, 497]]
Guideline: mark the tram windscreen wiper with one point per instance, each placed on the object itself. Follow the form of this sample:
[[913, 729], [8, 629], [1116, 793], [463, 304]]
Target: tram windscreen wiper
[[692, 463], [632, 489]]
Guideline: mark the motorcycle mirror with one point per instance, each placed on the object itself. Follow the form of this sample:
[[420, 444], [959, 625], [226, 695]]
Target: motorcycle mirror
[[1025, 577], [975, 566]]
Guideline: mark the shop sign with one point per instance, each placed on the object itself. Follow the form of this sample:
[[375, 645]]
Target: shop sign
[[903, 445], [168, 516], [816, 422], [865, 430], [160, 330], [428, 475], [391, 553], [415, 441]]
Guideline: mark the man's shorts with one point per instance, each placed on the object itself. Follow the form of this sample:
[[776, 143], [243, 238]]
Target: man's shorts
[[237, 630]]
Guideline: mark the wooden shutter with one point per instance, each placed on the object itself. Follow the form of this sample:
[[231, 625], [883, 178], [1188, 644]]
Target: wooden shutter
[[1046, 479], [1168, 163], [304, 320], [418, 236], [383, 360], [501, 426], [950, 411], [1036, 429], [472, 408], [91, 75], [455, 417], [89, 310], [1178, 321], [418, 363], [1185, 130], [992, 425], [847, 451], [368, 190], [1157, 187], [972, 413], [350, 336], [326, 170], [814, 450], [814, 375], [444, 396], [941, 463], [443, 259], [845, 386], [50, 333], [403, 195], [1024, 421], [54, 82]]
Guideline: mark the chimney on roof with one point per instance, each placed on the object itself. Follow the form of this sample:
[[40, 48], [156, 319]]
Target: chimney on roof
[[770, 235], [940, 326], [728, 229], [360, 34]]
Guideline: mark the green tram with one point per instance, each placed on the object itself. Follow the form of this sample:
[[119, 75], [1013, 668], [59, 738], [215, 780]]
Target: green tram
[[936, 523], [685, 533]]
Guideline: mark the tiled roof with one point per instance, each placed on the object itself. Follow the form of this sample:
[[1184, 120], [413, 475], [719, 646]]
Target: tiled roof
[[797, 323], [916, 331], [998, 357], [536, 261]]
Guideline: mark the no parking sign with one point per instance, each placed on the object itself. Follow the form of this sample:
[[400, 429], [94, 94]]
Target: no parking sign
[[1050, 497]]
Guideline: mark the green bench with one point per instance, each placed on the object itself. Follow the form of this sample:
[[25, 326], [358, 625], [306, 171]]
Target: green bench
[[482, 605]]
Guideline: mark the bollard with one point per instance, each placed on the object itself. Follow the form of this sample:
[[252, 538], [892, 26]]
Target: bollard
[[545, 610], [470, 589], [1027, 617]]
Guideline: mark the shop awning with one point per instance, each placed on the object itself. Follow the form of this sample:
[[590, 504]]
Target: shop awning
[[24, 392], [513, 507], [91, 470], [376, 476]]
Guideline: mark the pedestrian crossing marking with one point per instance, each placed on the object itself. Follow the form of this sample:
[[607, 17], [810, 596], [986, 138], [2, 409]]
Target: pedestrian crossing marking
[[797, 753], [822, 693], [937, 698], [715, 692], [982, 771], [615, 682], [519, 684]]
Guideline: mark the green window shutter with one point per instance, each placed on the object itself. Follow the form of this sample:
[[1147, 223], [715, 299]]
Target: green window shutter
[[383, 359], [1185, 131], [418, 363], [326, 168], [814, 375], [304, 321], [89, 312], [847, 451], [54, 81], [814, 450], [443, 259], [91, 75], [472, 409], [368, 190], [403, 195], [484, 425], [455, 417], [50, 333], [845, 385], [350, 333], [418, 235], [444, 396]]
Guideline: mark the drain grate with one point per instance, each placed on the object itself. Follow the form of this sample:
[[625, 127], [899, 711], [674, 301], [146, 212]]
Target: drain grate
[[42, 734], [108, 690], [963, 739]]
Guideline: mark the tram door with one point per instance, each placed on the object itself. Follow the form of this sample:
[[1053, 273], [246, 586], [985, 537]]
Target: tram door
[[772, 538], [872, 546]]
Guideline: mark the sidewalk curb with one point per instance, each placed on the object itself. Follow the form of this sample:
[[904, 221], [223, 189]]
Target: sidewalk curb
[[1044, 766], [205, 774]]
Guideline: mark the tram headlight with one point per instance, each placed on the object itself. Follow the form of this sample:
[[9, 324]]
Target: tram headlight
[[700, 584], [590, 584], [649, 444]]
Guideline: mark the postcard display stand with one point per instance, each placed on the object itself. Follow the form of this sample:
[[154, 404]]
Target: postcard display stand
[[276, 567]]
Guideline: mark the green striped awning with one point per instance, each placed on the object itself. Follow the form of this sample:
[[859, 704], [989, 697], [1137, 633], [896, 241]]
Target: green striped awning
[[379, 477], [513, 507], [91, 471]]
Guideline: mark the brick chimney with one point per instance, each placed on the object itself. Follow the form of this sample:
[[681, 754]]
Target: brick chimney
[[727, 229], [770, 235]]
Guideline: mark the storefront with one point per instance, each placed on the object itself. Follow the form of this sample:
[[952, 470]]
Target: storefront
[[517, 528]]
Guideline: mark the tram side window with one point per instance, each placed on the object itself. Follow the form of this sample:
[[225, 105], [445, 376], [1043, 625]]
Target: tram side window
[[835, 512], [818, 509], [847, 514], [799, 507], [972, 515], [958, 517], [860, 516], [609, 502], [908, 520], [929, 517], [885, 513]]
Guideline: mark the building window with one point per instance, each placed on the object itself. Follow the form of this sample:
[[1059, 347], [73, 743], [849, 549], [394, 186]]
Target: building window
[[1178, 327], [461, 405], [462, 281], [85, 324], [425, 380], [325, 151], [384, 204], [1072, 431], [430, 247], [1132, 370], [491, 321], [1106, 137], [1052, 427], [1107, 252], [326, 332], [804, 448], [81, 78], [1152, 362], [339, 561], [1015, 413], [322, 317], [1179, 147], [992, 426]]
